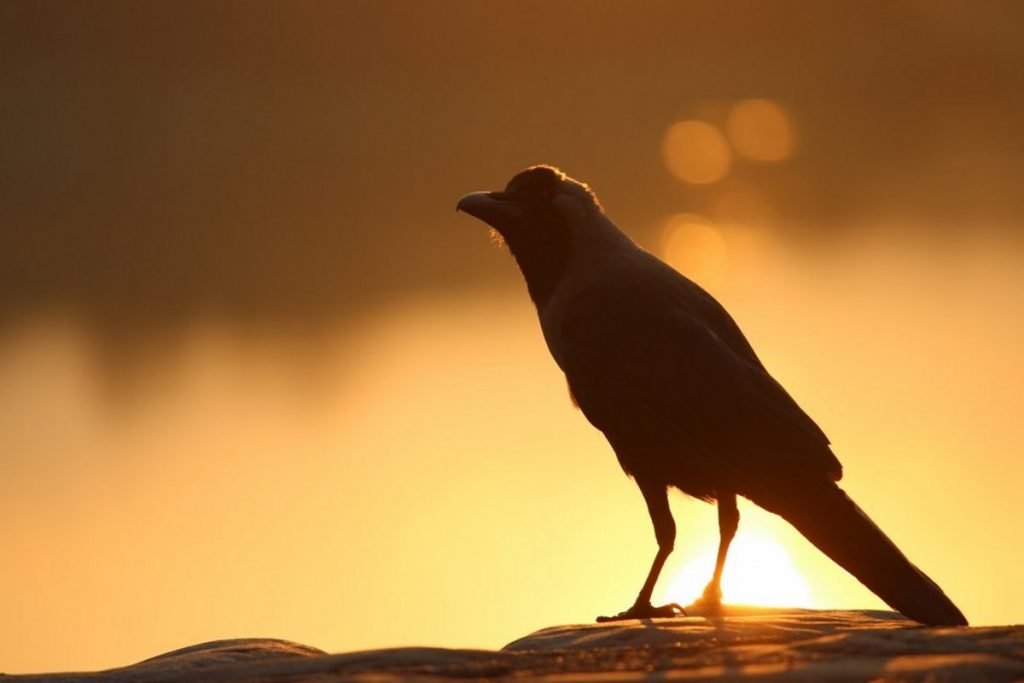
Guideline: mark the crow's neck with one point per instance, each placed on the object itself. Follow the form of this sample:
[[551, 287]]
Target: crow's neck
[[542, 257]]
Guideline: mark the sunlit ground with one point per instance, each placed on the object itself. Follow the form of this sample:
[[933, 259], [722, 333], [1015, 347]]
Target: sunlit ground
[[421, 478]]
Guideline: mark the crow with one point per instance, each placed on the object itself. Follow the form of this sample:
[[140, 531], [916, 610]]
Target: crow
[[658, 365]]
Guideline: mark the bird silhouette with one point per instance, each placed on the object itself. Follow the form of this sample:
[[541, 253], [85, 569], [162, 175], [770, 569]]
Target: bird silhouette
[[660, 367]]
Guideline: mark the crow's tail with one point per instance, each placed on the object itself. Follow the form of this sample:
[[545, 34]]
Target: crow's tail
[[840, 529]]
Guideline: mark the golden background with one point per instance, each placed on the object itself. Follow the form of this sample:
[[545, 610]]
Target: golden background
[[258, 378]]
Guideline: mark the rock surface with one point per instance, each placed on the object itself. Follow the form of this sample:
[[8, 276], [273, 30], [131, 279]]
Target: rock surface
[[745, 643]]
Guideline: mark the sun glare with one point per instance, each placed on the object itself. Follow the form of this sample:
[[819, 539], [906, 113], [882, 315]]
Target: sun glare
[[758, 572]]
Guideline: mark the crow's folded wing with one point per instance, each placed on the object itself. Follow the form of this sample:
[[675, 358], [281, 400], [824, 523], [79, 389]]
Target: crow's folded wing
[[654, 363]]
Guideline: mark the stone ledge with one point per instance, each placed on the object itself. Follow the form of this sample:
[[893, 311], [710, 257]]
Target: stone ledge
[[742, 644]]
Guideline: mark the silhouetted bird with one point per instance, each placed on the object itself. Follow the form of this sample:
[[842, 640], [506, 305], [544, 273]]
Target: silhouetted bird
[[659, 366]]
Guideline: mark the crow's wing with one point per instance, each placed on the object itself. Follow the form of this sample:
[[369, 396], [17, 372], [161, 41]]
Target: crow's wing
[[660, 363]]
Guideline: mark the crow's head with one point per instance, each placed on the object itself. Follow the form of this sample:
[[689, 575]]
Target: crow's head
[[540, 199], [538, 215]]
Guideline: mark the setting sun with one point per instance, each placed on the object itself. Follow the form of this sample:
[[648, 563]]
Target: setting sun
[[759, 572]]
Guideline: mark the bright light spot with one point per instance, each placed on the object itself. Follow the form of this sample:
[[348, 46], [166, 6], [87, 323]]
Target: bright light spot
[[692, 245], [760, 130], [696, 152], [758, 571]]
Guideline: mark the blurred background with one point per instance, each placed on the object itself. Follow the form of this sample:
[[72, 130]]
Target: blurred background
[[257, 378]]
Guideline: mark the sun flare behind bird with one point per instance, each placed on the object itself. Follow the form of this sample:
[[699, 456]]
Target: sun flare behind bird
[[659, 366]]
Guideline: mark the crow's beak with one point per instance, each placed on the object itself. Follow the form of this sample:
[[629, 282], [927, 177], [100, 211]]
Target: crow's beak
[[493, 208]]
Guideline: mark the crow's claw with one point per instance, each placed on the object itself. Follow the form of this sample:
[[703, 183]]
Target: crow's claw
[[647, 611]]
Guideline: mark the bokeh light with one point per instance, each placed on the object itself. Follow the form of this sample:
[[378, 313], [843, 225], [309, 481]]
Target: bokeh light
[[696, 152], [760, 130], [695, 247]]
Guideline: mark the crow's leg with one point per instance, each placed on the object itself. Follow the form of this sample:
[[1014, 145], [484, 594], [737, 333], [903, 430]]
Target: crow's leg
[[656, 496], [728, 521]]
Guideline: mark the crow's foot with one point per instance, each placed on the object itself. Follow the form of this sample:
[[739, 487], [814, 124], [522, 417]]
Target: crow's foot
[[711, 597], [710, 602], [646, 611]]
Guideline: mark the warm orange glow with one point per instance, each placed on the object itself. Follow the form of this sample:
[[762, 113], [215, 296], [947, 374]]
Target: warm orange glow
[[696, 152], [314, 490], [737, 203], [694, 246], [257, 377], [760, 130], [718, 256], [759, 571]]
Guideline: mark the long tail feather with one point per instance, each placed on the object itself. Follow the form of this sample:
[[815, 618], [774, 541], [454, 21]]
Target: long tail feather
[[840, 529]]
